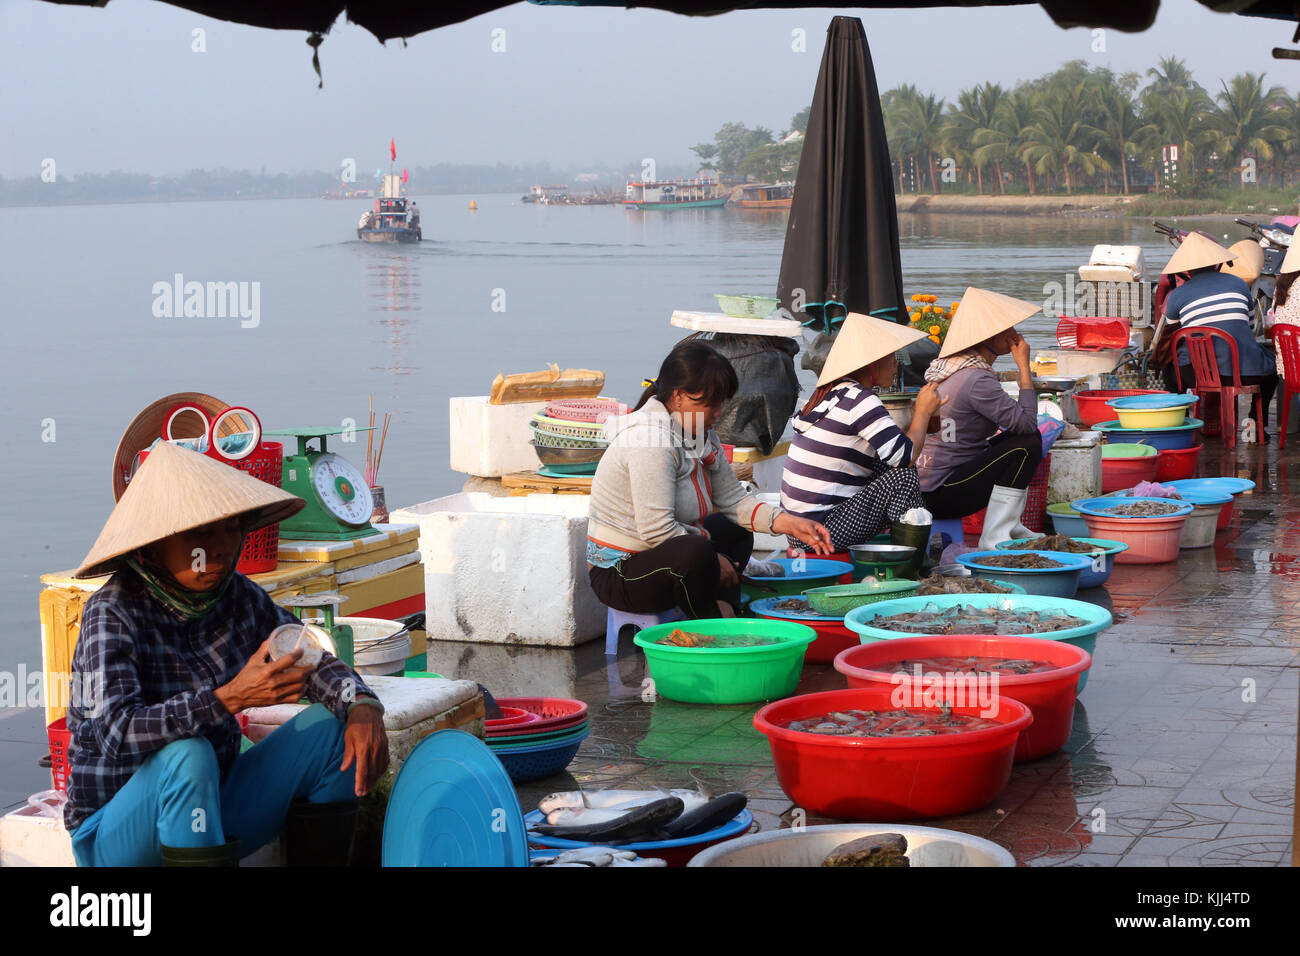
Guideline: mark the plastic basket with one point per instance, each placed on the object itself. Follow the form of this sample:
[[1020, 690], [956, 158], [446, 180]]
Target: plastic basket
[[60, 742], [558, 426], [1034, 516], [1092, 333], [536, 764], [544, 438], [594, 410]]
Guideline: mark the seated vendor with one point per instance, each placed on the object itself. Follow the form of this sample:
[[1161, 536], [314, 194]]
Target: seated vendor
[[988, 446], [170, 649], [1213, 299], [849, 465], [670, 524]]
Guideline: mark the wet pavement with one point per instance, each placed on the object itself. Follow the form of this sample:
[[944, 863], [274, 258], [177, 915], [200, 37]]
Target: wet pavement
[[1183, 751]]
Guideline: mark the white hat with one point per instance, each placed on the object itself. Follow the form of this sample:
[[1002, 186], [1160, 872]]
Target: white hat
[[1292, 261], [1196, 252], [862, 340], [179, 490], [982, 314]]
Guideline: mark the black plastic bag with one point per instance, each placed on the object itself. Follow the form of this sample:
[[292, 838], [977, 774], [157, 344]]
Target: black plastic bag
[[756, 416]]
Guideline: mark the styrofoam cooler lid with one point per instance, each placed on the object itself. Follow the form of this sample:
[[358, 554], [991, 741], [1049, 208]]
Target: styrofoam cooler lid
[[453, 805], [1085, 440]]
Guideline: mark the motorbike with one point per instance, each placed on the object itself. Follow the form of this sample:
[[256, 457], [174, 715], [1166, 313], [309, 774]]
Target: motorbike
[[1274, 240]]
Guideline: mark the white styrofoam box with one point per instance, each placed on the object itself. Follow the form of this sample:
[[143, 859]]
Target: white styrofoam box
[[492, 440], [735, 325], [29, 839], [508, 671], [507, 570], [1129, 258], [768, 472]]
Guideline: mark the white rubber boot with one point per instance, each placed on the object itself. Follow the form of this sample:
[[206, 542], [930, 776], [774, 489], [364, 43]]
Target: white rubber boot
[[1002, 519]]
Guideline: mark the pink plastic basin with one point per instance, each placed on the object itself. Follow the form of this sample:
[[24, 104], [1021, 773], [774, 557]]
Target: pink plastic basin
[[1149, 540]]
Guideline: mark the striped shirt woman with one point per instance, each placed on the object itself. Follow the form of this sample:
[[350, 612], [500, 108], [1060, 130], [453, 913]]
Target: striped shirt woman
[[839, 447], [1222, 301]]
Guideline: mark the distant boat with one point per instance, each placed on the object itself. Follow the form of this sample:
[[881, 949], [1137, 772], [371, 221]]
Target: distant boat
[[393, 219], [675, 194], [342, 192], [767, 196]]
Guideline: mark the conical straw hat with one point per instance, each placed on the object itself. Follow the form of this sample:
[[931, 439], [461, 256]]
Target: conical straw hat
[[1196, 252], [862, 340], [178, 490], [1292, 261], [1247, 260], [982, 314]]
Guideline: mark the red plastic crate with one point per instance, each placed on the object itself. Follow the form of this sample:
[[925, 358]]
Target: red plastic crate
[[60, 742]]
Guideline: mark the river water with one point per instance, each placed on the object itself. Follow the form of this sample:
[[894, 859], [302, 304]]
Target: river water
[[508, 287]]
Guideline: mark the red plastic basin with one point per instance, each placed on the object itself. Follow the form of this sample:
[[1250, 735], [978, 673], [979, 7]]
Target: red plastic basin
[[1049, 695], [1149, 540], [1092, 402], [832, 637], [883, 778], [1225, 514], [1175, 464], [1120, 473]]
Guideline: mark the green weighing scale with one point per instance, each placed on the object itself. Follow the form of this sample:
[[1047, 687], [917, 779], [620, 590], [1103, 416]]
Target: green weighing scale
[[339, 503]]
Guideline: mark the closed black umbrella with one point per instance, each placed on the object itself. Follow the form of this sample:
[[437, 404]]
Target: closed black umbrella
[[841, 243]]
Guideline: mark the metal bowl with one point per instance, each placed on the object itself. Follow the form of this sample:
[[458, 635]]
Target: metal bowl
[[926, 846], [567, 456], [1054, 383], [881, 553]]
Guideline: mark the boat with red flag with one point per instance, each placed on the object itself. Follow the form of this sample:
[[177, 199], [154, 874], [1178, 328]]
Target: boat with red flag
[[394, 218]]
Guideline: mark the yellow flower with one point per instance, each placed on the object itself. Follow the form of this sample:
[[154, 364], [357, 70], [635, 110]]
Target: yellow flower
[[914, 316], [934, 330], [931, 298], [954, 306], [916, 298], [934, 339]]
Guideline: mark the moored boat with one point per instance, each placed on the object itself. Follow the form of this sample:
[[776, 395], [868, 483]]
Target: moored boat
[[675, 194], [767, 196]]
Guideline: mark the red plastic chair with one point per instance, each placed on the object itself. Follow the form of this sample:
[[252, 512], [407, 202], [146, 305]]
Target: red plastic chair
[[1205, 366], [1287, 338]]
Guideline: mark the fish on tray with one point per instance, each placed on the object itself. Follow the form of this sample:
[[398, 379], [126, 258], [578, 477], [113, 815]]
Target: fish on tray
[[582, 807], [666, 818]]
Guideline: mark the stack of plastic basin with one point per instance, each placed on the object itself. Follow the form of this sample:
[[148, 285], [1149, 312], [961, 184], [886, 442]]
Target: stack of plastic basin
[[1150, 540], [1124, 464]]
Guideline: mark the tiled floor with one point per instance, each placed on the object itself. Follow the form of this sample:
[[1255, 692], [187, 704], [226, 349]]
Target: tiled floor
[[1184, 743]]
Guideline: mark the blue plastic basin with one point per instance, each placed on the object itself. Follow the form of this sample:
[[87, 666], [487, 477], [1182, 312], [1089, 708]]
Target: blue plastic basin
[[1052, 582], [1094, 575], [1165, 439]]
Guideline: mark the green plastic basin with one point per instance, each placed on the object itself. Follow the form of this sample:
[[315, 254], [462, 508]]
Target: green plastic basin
[[1126, 449], [727, 675]]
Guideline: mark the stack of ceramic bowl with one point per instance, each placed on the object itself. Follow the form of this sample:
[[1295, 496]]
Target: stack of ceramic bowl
[[1158, 420], [537, 736], [569, 436]]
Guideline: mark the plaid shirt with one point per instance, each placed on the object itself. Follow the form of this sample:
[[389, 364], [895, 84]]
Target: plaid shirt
[[148, 677]]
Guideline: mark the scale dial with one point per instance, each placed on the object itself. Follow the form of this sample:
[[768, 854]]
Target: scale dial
[[342, 489]]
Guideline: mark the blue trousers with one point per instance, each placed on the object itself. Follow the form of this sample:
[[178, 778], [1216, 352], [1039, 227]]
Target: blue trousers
[[178, 799]]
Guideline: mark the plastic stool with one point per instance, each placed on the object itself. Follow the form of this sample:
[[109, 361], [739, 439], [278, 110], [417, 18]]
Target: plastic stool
[[950, 528], [615, 621]]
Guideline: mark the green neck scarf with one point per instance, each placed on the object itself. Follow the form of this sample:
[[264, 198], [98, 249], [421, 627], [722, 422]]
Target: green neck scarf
[[190, 605]]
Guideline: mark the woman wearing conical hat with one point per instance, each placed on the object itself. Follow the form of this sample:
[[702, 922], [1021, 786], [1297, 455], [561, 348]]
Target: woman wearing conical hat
[[849, 465], [970, 464], [1286, 307], [1213, 298], [171, 648]]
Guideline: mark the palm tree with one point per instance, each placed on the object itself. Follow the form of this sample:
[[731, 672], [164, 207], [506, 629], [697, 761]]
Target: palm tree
[[1004, 139], [976, 111], [1059, 137], [1179, 119], [1171, 76], [919, 123], [1246, 118], [1120, 127]]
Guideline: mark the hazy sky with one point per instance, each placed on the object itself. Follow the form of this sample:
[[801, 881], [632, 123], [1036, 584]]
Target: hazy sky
[[121, 88]]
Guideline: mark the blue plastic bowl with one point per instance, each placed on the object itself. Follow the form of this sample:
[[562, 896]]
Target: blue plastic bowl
[[525, 764], [1151, 402], [733, 827], [1085, 636], [1052, 582], [1101, 506], [1165, 439], [1093, 576], [1226, 486], [810, 573], [1073, 525]]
